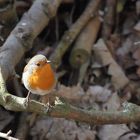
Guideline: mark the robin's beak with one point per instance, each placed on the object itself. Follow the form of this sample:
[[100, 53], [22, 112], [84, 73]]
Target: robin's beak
[[48, 61]]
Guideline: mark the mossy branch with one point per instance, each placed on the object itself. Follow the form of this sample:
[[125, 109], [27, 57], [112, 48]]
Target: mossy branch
[[129, 113]]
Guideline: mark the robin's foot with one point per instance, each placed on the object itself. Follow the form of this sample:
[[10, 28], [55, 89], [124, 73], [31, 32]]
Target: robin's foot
[[49, 106], [27, 100]]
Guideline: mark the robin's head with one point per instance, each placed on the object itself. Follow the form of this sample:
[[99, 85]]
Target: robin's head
[[36, 62]]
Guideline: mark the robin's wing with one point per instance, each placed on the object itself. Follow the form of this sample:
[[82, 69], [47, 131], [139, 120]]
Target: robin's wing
[[25, 68]]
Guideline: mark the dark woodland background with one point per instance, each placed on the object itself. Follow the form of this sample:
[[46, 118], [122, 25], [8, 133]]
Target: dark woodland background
[[99, 70]]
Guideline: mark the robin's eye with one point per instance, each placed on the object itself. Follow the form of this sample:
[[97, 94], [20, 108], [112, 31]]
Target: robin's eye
[[38, 64]]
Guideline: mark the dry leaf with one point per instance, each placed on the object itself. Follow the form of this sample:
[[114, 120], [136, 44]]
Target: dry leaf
[[114, 103], [99, 93], [137, 26], [112, 132], [129, 136], [128, 24], [136, 56], [71, 93], [60, 129], [102, 54], [126, 47]]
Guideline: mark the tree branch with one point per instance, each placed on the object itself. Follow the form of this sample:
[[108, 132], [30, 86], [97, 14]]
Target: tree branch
[[61, 109], [130, 112], [21, 38]]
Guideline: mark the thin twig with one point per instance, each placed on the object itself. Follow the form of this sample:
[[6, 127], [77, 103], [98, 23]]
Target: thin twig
[[7, 135]]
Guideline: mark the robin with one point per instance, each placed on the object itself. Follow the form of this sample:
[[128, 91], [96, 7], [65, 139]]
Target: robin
[[38, 76]]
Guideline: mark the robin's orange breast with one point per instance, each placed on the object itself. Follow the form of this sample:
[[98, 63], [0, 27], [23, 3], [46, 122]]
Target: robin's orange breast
[[43, 78]]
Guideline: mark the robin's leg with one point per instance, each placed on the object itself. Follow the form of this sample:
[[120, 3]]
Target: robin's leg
[[28, 96], [27, 99], [49, 103], [48, 100]]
